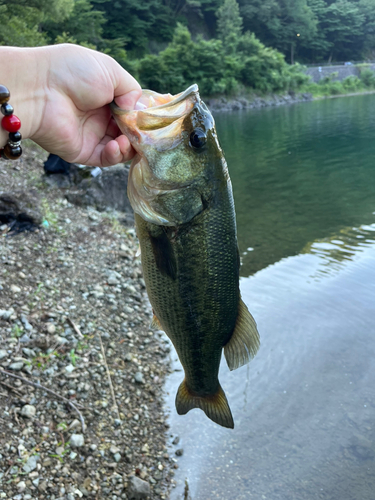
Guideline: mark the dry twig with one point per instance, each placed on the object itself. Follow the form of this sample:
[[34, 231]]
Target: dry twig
[[58, 396], [109, 377], [76, 329]]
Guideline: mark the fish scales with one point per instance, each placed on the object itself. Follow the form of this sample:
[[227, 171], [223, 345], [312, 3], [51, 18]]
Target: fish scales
[[180, 190], [197, 307]]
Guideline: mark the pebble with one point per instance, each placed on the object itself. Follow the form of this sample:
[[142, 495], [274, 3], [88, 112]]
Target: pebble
[[28, 411], [25, 323], [76, 440], [138, 488], [179, 452], [17, 366], [15, 289], [4, 314], [31, 464], [3, 354], [51, 328], [138, 377], [117, 457]]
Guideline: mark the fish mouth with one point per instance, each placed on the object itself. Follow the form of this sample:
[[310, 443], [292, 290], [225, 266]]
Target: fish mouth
[[154, 102], [160, 121]]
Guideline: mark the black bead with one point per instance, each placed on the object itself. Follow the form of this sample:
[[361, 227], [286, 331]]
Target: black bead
[[7, 109], [12, 153], [15, 136]]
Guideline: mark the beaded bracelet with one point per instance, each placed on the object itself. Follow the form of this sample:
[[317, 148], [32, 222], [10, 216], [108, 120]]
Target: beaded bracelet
[[12, 150]]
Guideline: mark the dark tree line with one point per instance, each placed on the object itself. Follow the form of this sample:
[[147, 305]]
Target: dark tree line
[[221, 44]]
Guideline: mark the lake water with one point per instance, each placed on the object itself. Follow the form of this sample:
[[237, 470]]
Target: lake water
[[304, 409]]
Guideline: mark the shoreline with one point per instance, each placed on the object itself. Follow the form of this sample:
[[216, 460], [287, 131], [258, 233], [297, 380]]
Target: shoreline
[[223, 104]]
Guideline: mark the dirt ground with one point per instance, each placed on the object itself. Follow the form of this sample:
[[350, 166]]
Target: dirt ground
[[81, 373]]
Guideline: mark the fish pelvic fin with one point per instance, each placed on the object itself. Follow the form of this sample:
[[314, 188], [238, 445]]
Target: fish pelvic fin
[[155, 323], [244, 343], [215, 406]]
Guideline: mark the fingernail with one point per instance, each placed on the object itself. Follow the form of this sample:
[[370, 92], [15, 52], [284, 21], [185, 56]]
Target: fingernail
[[117, 151], [139, 105]]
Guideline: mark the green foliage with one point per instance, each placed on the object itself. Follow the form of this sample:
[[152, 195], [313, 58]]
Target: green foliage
[[229, 25], [207, 63], [367, 77], [20, 20]]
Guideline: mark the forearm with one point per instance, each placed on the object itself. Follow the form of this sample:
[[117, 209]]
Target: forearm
[[24, 72]]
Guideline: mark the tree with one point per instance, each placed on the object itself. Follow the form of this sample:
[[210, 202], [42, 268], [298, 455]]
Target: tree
[[229, 25], [343, 27], [284, 24], [21, 20]]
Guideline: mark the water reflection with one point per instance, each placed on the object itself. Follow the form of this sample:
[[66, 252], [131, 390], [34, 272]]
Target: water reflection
[[345, 246]]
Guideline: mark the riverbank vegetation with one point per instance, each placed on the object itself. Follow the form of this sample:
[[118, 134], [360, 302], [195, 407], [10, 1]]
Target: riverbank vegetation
[[227, 47]]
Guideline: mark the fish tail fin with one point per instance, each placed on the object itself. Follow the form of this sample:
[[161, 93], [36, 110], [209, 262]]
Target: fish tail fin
[[215, 406], [244, 343]]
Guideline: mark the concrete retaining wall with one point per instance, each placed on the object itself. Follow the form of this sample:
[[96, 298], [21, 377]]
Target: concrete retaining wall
[[317, 73]]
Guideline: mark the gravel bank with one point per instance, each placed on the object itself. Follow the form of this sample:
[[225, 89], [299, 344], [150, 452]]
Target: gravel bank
[[74, 319]]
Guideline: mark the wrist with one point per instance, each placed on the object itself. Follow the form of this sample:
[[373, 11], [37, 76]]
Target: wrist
[[25, 77]]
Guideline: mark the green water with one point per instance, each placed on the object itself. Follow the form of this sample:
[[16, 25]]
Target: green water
[[299, 173], [304, 408]]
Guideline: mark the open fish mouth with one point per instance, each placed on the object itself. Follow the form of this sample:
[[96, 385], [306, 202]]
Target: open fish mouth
[[158, 119]]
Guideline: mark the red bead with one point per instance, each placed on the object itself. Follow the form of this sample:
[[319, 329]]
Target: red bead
[[11, 123]]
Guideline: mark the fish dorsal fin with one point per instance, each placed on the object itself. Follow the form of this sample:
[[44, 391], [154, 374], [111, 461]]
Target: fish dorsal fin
[[244, 343], [215, 406], [155, 323]]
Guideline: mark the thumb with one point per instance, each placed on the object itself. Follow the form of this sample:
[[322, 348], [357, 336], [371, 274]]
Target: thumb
[[129, 99]]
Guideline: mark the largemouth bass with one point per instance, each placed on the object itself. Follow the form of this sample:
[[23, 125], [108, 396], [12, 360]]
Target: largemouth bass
[[181, 193]]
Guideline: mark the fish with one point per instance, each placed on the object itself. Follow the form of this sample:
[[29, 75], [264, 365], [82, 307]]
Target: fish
[[181, 193]]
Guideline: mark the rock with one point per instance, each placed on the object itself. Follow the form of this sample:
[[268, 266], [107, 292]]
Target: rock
[[138, 377], [31, 464], [28, 411], [179, 452], [107, 190], [176, 440], [138, 489], [21, 206], [30, 353], [15, 289], [21, 486], [3, 354], [17, 366], [76, 440], [117, 457], [4, 314], [25, 323], [51, 328], [112, 280]]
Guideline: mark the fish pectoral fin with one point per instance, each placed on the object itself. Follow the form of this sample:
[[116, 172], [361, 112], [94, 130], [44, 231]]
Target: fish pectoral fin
[[215, 406], [155, 323], [244, 343], [165, 259]]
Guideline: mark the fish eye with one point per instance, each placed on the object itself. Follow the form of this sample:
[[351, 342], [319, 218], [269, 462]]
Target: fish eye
[[198, 138]]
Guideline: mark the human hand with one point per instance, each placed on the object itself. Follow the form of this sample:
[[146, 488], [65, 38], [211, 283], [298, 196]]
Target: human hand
[[65, 104]]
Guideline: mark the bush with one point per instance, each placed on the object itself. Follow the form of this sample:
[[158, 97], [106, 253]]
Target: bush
[[351, 83], [206, 63], [367, 77]]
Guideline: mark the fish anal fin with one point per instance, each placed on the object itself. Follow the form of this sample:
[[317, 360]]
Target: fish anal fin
[[244, 342], [155, 323], [215, 406]]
